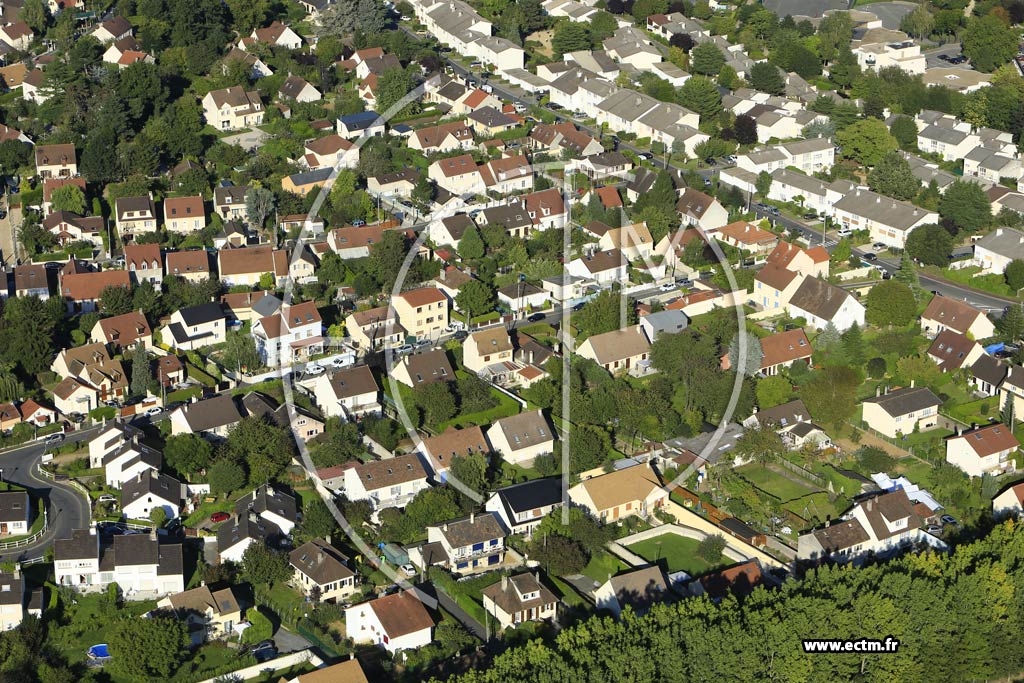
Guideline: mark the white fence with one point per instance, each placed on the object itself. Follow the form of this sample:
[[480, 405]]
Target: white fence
[[282, 662]]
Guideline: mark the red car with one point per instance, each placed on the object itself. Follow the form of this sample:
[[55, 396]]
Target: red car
[[219, 517]]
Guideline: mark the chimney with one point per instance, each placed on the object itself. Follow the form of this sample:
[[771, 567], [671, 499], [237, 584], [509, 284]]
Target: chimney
[[152, 533], [878, 391], [472, 517], [504, 582], [911, 384]]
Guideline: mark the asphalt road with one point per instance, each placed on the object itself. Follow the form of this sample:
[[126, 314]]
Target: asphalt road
[[932, 59], [67, 508]]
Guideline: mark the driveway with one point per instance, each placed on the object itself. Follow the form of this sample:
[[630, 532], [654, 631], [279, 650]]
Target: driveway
[[248, 140], [286, 641], [8, 246], [933, 61]]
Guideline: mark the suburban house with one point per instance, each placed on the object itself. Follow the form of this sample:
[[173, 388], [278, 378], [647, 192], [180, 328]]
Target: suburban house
[[56, 161], [119, 450], [467, 545], [812, 262], [440, 449], [208, 614], [67, 227], [275, 35], [700, 210], [952, 351], [149, 490], [299, 89], [233, 108], [394, 622], [820, 303], [139, 564], [114, 28], [237, 534], [997, 249], [330, 151], [292, 334], [416, 369], [442, 138], [903, 411], [82, 290], [626, 350], [458, 175], [945, 313], [32, 279], [12, 600], [878, 525], [638, 589], [123, 331], [390, 483], [195, 327], [135, 216], [192, 265], [211, 417], [229, 201], [248, 265], [73, 397], [663, 322], [521, 507], [748, 237], [15, 513], [93, 365], [635, 490], [983, 450], [422, 312], [349, 393], [184, 215], [270, 505], [487, 347], [603, 267], [144, 263], [520, 598], [888, 220], [1009, 502], [362, 124], [783, 349], [322, 568], [519, 439], [374, 328]]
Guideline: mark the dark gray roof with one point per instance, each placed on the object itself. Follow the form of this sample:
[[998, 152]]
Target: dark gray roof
[[14, 506], [321, 562], [907, 400], [152, 483], [82, 545], [428, 367], [211, 413], [470, 530], [785, 415], [135, 549], [531, 495], [819, 298], [989, 369], [203, 313], [232, 532], [508, 215], [267, 499], [12, 590]]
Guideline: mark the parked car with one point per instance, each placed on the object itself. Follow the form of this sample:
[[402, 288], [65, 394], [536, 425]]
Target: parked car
[[519, 107], [667, 287], [710, 162], [106, 498], [810, 216], [404, 348], [731, 158], [151, 412], [553, 106], [934, 529], [844, 232], [408, 570], [461, 334], [950, 520], [358, 223], [218, 517], [340, 362], [54, 438], [537, 317], [869, 257], [422, 344], [313, 370], [476, 64], [946, 58], [878, 246], [645, 156]]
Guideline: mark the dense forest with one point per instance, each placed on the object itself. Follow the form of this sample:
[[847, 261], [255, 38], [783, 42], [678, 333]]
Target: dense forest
[[958, 617]]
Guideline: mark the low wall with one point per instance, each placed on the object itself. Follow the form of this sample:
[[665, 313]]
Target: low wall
[[282, 662], [733, 550]]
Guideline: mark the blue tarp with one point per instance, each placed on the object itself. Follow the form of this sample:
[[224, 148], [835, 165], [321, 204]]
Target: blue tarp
[[995, 348], [99, 651]]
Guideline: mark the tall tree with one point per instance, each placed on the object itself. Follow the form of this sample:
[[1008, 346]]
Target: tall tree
[[966, 206], [259, 204], [866, 141], [148, 649], [988, 42], [919, 23], [890, 303], [763, 184], [68, 198], [893, 177], [700, 95], [141, 375], [930, 244], [569, 37], [766, 77], [28, 334], [1014, 274], [471, 246], [386, 258], [904, 130], [707, 59], [475, 297]]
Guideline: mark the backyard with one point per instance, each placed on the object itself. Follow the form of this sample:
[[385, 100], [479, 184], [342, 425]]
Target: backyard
[[678, 553], [775, 483]]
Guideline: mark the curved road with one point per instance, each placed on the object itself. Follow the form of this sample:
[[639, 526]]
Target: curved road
[[68, 509]]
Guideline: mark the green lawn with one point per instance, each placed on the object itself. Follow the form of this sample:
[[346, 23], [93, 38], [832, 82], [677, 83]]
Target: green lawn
[[678, 552], [89, 622], [506, 407], [602, 565], [774, 483]]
